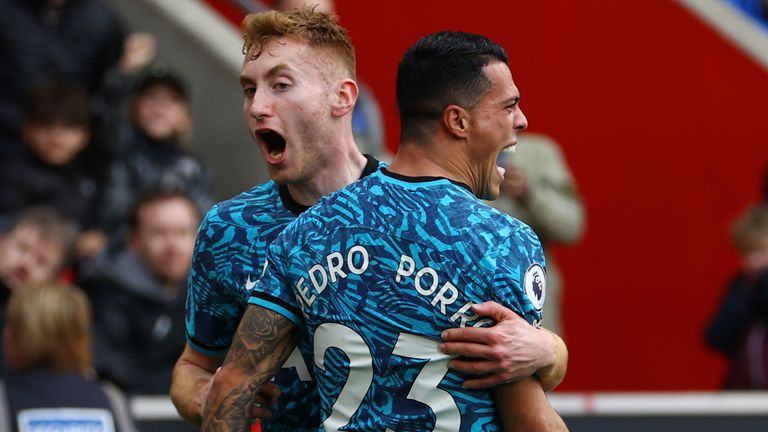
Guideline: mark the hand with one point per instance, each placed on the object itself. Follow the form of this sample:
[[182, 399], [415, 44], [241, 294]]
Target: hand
[[264, 400], [515, 184], [139, 49], [262, 403], [509, 351]]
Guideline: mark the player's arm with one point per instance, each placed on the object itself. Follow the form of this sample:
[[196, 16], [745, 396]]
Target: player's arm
[[190, 382], [523, 407], [510, 350], [263, 341]]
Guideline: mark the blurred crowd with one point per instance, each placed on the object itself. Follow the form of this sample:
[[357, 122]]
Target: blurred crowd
[[100, 198]]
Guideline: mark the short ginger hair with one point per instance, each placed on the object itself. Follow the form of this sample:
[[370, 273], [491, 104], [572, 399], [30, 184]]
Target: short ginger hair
[[319, 30]]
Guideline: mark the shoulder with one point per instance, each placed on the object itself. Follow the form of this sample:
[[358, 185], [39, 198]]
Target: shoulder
[[244, 224], [342, 207], [496, 227], [243, 208]]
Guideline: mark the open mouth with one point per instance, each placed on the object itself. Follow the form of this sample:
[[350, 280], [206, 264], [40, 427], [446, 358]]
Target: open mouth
[[508, 150], [273, 142], [502, 157], [504, 154]]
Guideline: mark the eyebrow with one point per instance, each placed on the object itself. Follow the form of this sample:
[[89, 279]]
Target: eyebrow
[[274, 71], [510, 101]]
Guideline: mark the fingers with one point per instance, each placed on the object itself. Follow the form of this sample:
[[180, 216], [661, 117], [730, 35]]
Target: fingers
[[468, 334], [264, 400], [262, 412], [489, 373], [271, 390], [484, 335], [474, 367], [494, 311], [472, 350]]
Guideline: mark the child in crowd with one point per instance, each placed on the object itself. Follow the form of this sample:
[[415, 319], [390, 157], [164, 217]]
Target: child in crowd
[[154, 152], [56, 130]]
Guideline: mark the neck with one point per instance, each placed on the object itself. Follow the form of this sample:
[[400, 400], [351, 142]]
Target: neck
[[433, 159], [342, 168]]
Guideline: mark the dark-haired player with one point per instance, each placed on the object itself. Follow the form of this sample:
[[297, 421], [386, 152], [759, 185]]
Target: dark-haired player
[[374, 273]]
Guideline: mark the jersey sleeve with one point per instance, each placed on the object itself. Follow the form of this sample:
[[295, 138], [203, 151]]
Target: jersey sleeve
[[519, 281], [273, 291], [213, 307]]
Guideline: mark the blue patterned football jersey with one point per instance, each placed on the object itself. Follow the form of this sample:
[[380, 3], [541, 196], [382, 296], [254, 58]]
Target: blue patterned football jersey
[[375, 273], [230, 254]]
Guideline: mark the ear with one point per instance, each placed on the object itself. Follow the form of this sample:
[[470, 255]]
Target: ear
[[456, 121], [345, 97]]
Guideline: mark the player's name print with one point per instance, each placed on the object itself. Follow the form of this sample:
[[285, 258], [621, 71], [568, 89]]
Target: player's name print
[[443, 294]]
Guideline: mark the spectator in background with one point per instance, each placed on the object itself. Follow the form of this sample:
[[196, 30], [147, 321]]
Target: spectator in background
[[539, 190], [155, 153], [138, 294], [367, 123], [40, 40], [739, 328], [49, 172], [47, 340], [113, 103], [34, 250]]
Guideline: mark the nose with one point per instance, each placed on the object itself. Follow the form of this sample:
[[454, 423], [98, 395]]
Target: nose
[[260, 105], [521, 122]]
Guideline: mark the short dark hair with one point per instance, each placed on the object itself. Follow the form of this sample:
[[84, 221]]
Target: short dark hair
[[155, 195], [160, 76], [441, 69], [57, 101]]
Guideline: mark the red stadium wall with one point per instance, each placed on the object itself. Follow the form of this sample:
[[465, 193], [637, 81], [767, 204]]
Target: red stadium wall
[[660, 119]]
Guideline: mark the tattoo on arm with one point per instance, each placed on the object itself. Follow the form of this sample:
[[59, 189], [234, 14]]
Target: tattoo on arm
[[263, 342]]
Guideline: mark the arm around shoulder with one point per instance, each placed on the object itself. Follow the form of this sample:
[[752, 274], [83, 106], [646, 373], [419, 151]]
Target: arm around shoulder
[[263, 342]]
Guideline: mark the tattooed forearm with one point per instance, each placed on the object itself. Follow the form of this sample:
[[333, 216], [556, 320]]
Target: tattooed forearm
[[258, 335], [263, 342]]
